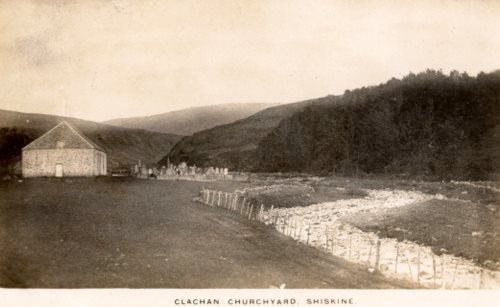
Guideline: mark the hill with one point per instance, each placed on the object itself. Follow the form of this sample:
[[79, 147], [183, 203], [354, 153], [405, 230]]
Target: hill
[[191, 120], [122, 145], [233, 145], [430, 125]]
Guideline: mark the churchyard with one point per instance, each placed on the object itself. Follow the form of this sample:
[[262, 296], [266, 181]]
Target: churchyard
[[269, 231]]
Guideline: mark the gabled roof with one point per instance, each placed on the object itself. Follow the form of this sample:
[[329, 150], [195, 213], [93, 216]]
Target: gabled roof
[[63, 132]]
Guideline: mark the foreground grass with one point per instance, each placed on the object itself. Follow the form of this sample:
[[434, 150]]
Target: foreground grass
[[110, 232]]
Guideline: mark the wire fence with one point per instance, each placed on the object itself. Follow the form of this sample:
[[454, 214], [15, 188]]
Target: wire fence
[[393, 258]]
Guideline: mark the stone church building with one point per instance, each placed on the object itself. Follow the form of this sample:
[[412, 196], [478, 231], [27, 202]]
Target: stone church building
[[63, 151]]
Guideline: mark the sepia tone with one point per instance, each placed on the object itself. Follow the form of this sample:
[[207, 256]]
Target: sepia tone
[[250, 144]]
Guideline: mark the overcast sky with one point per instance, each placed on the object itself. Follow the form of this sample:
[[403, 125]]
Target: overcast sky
[[106, 59]]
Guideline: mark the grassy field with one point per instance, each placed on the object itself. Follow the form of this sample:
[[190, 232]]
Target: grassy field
[[117, 232], [469, 230]]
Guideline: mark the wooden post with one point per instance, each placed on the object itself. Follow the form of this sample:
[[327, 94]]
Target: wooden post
[[213, 199], [241, 209], [443, 281], [409, 267], [454, 275], [218, 202], [377, 255], [418, 265], [370, 253], [250, 214], [226, 199], [308, 233], [397, 258], [271, 214], [300, 230], [261, 213], [244, 201], [481, 274], [434, 270]]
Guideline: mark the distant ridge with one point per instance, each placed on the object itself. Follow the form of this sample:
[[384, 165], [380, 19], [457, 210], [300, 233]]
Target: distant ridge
[[122, 145], [191, 120], [233, 145]]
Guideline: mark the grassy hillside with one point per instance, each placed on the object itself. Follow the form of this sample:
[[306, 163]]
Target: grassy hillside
[[233, 145], [189, 121], [122, 145], [429, 124]]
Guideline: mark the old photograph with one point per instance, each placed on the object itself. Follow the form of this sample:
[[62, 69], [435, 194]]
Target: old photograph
[[236, 144]]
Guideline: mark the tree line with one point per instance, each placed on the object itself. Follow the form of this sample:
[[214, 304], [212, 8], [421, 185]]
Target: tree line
[[431, 124]]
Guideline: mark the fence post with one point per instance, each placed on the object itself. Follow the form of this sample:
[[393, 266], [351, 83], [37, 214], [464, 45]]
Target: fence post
[[434, 270], [300, 230], [454, 275], [218, 202], [261, 212], [308, 233], [443, 281], [370, 253], [377, 256], [242, 207], [236, 205], [271, 214], [418, 265], [481, 273], [250, 214], [397, 257]]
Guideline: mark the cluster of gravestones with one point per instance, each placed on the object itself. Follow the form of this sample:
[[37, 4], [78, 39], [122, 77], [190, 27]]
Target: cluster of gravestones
[[182, 169]]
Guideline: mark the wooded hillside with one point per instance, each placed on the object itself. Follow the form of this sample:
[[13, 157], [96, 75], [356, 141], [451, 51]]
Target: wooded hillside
[[430, 124]]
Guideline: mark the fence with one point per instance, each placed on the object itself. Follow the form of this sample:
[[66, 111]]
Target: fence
[[406, 260]]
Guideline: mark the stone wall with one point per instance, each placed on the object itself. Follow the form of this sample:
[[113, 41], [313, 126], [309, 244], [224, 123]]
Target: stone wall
[[75, 162]]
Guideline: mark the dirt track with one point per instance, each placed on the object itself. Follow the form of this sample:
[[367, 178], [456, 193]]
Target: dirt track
[[150, 234]]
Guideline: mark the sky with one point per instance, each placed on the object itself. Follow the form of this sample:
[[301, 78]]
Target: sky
[[100, 59]]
